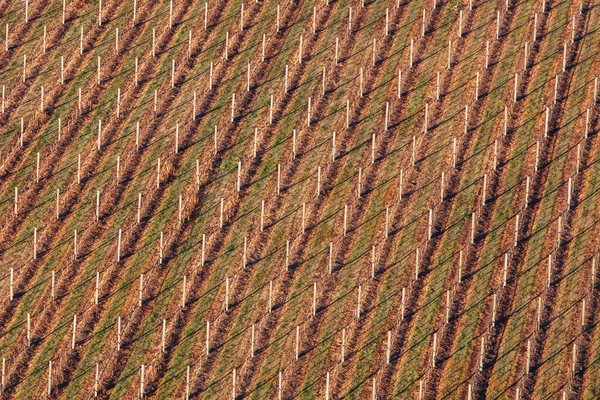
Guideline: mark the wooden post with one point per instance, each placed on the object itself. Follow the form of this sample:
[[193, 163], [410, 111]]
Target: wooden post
[[183, 291], [226, 45], [262, 215], [401, 182], [287, 254], [81, 40], [37, 167], [318, 180], [437, 86], [118, 168], [373, 261], [387, 21], [484, 191], [412, 46], [277, 23], [564, 62], [314, 302], [399, 83], [516, 230], [434, 350], [460, 21], [449, 54], [119, 333], [303, 217], [473, 227], [516, 88], [205, 15], [300, 50], [337, 45], [34, 242], [99, 133], [350, 20], [345, 218], [403, 303], [587, 123], [49, 377], [97, 289], [160, 248], [227, 294], [374, 51], [74, 331], [426, 122], [57, 203], [330, 257], [359, 301], [221, 214], [430, 224], [333, 147], [119, 246], [96, 376], [207, 341], [11, 292], [16, 200], [442, 186], [239, 175], [279, 387], [497, 25], [98, 70], [359, 182], [527, 185], [141, 291], [142, 371], [526, 55], [537, 155], [297, 342], [28, 330], [270, 303], [505, 120], [308, 111], [417, 264], [52, 283], [164, 333], [481, 353], [422, 23], [327, 387], [547, 122], [343, 347], [44, 40], [528, 361], [388, 350]]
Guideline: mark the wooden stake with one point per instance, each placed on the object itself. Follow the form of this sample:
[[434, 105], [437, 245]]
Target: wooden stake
[[119, 246], [343, 347], [330, 257], [207, 341], [227, 294], [297, 342], [74, 331], [49, 377], [141, 291]]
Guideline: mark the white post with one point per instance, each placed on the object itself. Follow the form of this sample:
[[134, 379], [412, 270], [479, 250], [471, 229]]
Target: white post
[[141, 291], [74, 331], [119, 246]]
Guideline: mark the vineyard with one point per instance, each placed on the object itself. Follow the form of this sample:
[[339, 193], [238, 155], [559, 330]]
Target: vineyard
[[333, 199]]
